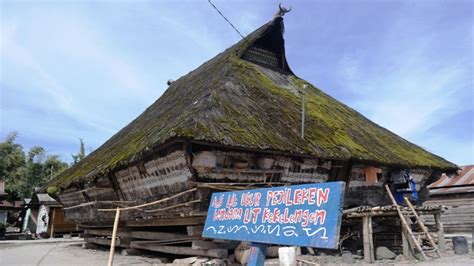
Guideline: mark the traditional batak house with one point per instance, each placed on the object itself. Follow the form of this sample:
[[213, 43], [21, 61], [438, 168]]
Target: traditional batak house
[[236, 122]]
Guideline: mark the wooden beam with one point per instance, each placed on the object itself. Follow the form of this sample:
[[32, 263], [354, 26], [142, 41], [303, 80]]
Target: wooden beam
[[167, 242], [187, 220], [105, 232], [106, 241], [386, 213], [157, 235], [85, 226], [405, 244], [194, 230], [138, 234], [371, 239], [214, 253]]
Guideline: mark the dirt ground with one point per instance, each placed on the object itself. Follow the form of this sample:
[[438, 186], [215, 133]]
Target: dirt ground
[[71, 253], [65, 254]]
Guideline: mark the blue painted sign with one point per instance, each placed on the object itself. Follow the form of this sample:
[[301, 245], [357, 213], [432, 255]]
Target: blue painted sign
[[302, 215]]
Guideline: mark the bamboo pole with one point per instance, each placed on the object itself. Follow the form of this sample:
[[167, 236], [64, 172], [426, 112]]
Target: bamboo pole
[[114, 236], [151, 203], [174, 206]]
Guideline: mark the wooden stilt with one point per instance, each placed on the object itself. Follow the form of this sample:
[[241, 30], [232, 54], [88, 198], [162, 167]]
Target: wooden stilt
[[114, 236], [368, 239], [405, 244], [440, 231]]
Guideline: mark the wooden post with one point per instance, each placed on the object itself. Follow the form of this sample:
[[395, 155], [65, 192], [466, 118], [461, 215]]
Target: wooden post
[[368, 239], [114, 236], [52, 223], [257, 254], [405, 244], [440, 230]]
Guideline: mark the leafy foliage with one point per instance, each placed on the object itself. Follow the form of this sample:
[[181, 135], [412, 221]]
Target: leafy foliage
[[79, 156], [23, 172]]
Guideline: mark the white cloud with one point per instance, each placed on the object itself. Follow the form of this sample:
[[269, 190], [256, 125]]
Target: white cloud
[[14, 53], [402, 86]]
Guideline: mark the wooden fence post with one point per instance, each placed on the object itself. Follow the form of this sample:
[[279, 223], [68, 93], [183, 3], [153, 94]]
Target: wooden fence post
[[114, 236]]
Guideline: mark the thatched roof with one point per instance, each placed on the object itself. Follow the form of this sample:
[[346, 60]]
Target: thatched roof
[[233, 102]]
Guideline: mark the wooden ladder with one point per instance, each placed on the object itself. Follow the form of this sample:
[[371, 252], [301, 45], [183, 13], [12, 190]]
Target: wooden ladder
[[415, 237]]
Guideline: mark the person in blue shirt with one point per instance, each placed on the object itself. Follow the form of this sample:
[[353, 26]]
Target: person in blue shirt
[[410, 187]]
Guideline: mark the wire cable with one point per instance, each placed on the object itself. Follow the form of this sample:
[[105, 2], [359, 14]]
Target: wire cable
[[232, 25]]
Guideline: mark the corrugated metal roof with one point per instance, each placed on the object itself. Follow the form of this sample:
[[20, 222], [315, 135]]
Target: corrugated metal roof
[[456, 184], [44, 198]]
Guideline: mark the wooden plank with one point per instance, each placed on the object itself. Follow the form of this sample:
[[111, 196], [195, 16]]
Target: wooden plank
[[138, 234], [81, 205], [105, 241], [167, 242], [214, 253], [195, 230], [187, 220], [105, 232], [385, 213], [157, 235], [85, 226]]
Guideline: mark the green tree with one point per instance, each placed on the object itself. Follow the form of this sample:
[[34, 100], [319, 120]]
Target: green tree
[[22, 173], [79, 156], [53, 166], [12, 160]]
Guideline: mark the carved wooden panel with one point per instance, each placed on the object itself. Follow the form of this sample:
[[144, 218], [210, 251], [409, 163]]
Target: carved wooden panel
[[162, 176]]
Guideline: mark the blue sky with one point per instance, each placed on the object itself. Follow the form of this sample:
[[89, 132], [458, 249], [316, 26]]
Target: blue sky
[[85, 69]]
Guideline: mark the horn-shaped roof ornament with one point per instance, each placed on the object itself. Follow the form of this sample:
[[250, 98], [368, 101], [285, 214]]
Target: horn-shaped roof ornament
[[282, 11]]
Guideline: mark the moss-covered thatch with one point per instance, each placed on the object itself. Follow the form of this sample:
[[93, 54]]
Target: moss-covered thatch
[[233, 102]]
